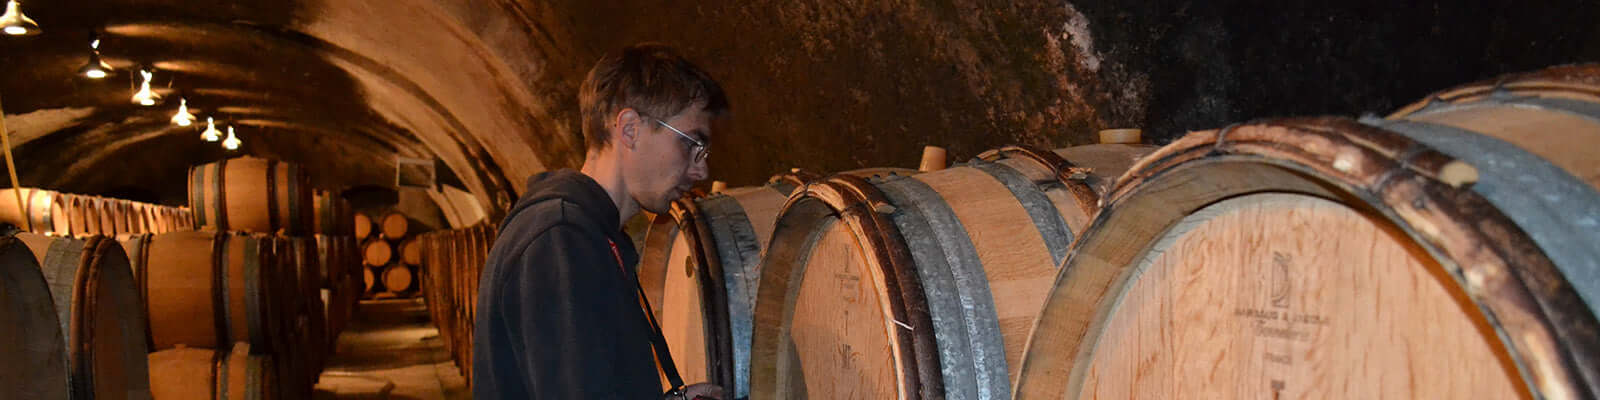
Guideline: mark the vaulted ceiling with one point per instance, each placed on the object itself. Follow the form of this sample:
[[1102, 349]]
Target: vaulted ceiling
[[488, 87]]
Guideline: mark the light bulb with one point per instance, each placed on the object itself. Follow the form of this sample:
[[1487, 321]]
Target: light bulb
[[183, 117], [95, 68], [15, 23], [144, 96], [232, 142], [211, 133]]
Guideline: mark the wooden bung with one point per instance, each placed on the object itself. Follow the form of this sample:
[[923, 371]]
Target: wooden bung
[[933, 159], [1121, 136]]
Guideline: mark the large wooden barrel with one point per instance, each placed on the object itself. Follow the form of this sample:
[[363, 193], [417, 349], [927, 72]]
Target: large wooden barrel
[[36, 365], [436, 275], [377, 253], [478, 239], [712, 243], [1325, 258], [251, 195], [920, 286], [97, 305], [395, 225], [332, 213], [38, 213], [363, 226], [190, 373], [332, 257], [308, 274], [208, 289]]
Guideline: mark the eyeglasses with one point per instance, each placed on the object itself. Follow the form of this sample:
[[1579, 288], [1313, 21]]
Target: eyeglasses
[[698, 150]]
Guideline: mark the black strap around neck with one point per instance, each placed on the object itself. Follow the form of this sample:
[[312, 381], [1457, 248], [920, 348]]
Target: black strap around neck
[[657, 340]]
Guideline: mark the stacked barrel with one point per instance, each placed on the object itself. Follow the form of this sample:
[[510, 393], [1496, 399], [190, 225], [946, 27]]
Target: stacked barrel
[[391, 255], [252, 301], [73, 323], [65, 214], [452, 261], [1300, 257]]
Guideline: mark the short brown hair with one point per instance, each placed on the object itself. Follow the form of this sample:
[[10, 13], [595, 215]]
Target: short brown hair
[[650, 78]]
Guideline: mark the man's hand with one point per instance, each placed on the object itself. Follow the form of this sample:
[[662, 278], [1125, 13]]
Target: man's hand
[[702, 390]]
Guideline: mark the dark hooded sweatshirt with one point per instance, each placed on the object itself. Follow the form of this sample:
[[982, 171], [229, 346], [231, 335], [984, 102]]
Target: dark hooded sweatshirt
[[557, 317]]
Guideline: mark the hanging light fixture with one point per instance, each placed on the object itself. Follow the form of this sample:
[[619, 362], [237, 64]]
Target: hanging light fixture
[[144, 96], [95, 68], [15, 24], [183, 117], [232, 142], [210, 134]]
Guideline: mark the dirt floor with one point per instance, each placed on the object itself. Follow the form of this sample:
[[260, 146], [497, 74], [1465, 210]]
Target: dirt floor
[[392, 351]]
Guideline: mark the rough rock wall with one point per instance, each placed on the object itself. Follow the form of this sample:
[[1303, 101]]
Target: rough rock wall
[[832, 86]]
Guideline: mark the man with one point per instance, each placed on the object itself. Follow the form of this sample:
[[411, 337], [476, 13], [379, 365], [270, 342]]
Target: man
[[559, 312]]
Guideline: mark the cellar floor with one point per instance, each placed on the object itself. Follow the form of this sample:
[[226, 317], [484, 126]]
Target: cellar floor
[[391, 351]]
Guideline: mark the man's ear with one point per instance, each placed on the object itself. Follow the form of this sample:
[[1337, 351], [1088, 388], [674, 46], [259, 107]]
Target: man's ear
[[627, 128]]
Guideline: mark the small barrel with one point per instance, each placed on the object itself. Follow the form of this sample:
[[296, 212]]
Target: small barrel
[[377, 253], [410, 252], [251, 195], [395, 225], [370, 279], [398, 279], [97, 305], [363, 226]]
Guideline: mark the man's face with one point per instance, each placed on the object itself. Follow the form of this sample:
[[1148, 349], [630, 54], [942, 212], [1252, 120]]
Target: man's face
[[661, 167]]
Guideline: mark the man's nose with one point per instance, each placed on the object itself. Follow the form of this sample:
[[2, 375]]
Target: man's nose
[[699, 170]]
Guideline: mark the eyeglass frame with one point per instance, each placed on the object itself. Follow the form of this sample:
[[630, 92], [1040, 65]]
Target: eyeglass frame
[[699, 151]]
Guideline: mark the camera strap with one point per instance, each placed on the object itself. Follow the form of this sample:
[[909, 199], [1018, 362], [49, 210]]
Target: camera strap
[[657, 340]]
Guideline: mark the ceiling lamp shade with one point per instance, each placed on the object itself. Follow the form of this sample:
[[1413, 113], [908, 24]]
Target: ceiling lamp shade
[[95, 68], [232, 142], [15, 24], [183, 117], [144, 96], [210, 134]]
